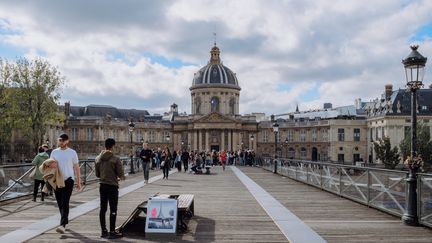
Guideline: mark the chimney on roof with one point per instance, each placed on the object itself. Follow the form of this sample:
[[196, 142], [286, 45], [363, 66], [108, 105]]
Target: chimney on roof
[[67, 109], [388, 91]]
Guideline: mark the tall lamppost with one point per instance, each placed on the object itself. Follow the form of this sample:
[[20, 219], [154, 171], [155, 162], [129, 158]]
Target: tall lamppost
[[286, 147], [252, 138], [414, 65], [276, 131], [182, 144], [131, 127]]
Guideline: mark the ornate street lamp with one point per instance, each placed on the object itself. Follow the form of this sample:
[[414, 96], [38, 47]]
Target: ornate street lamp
[[168, 139], [142, 141], [414, 65], [276, 131], [131, 127], [252, 138], [286, 146], [182, 144]]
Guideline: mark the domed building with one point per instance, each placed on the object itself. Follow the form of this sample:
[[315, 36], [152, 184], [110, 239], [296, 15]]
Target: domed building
[[215, 122], [215, 88]]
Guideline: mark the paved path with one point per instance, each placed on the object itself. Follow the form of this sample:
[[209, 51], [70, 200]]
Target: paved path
[[226, 211], [336, 219]]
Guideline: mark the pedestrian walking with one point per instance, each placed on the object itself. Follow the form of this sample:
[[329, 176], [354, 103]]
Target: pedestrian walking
[[66, 160], [166, 162], [146, 155], [38, 176], [223, 159], [185, 159], [109, 170]]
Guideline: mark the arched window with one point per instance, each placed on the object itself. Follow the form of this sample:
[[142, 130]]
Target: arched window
[[197, 105], [232, 106], [214, 102], [303, 153], [291, 153]]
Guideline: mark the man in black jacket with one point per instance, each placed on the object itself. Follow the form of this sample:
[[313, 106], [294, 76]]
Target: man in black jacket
[[185, 159], [109, 169], [146, 155]]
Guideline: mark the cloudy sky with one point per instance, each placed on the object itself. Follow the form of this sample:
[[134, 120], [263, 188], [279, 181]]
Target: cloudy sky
[[143, 54]]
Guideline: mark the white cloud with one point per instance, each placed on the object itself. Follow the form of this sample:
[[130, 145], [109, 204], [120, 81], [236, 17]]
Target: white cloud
[[344, 49]]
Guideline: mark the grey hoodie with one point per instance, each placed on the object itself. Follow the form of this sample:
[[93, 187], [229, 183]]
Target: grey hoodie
[[109, 168]]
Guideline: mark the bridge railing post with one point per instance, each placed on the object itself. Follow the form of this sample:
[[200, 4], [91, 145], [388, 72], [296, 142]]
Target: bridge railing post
[[368, 185], [340, 179], [321, 176]]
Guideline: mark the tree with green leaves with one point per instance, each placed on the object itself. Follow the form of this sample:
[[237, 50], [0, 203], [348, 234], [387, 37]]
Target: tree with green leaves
[[6, 120], [389, 156], [424, 145], [32, 89]]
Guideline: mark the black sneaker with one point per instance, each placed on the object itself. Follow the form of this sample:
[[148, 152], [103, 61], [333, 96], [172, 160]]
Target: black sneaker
[[115, 235], [104, 234]]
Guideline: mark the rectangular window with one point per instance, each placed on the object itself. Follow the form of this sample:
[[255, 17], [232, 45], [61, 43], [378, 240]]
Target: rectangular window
[[89, 134], [314, 135], [357, 134], [376, 133], [302, 135], [290, 136], [74, 134], [152, 136], [324, 135], [341, 157], [371, 135], [341, 134], [382, 132], [106, 133], [265, 136]]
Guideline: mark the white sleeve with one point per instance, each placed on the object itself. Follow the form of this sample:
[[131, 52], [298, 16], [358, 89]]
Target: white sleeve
[[75, 158]]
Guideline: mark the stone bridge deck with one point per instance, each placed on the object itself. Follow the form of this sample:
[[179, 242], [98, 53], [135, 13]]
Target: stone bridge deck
[[241, 204]]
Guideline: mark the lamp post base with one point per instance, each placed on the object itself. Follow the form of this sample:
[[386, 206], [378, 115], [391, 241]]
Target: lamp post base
[[132, 170], [410, 220]]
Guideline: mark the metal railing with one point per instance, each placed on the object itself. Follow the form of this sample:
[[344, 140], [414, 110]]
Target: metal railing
[[15, 181], [382, 189]]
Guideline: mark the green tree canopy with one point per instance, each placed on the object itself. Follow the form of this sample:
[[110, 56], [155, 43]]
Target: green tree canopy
[[424, 145], [30, 92], [389, 156]]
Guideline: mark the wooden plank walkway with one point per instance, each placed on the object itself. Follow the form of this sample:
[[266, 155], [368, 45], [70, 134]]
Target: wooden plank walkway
[[18, 214], [224, 212], [334, 218]]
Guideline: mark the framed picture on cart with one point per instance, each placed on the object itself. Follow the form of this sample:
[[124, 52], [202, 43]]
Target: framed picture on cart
[[161, 216]]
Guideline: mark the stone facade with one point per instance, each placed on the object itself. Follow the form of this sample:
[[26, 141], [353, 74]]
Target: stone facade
[[342, 134]]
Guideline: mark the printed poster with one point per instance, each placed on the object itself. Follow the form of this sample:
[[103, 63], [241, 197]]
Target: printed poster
[[161, 216]]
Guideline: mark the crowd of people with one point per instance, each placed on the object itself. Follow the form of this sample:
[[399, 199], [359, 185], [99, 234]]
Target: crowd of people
[[58, 171], [192, 161]]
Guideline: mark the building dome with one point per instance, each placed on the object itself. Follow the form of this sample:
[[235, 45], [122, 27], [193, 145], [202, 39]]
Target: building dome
[[215, 73]]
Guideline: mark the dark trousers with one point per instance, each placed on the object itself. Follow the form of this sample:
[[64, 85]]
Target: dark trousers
[[108, 195], [146, 168], [38, 183], [185, 165], [63, 196], [166, 169]]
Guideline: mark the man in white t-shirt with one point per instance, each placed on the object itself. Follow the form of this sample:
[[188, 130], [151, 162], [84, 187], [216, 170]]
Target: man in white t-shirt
[[68, 164]]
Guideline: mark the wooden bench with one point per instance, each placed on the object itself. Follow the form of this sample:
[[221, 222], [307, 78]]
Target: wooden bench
[[185, 210]]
